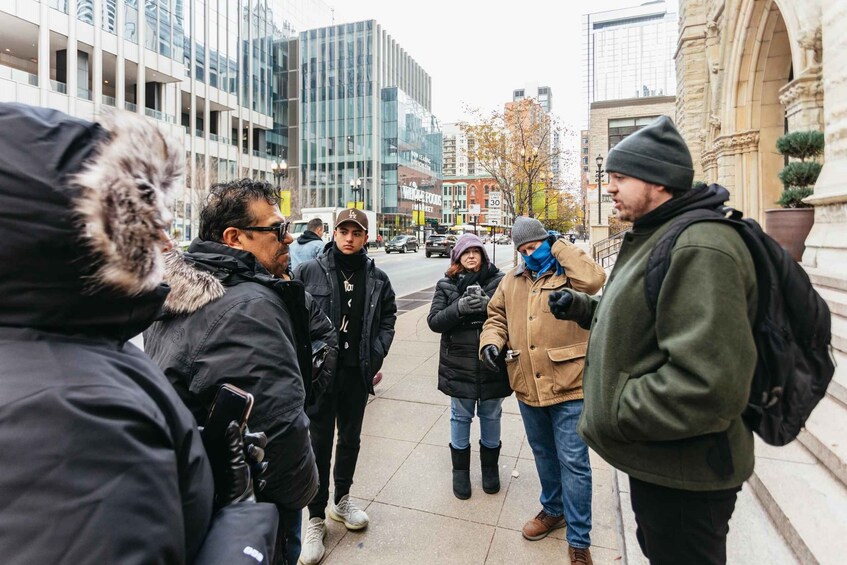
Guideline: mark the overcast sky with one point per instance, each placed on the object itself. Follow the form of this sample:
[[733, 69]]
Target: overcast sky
[[478, 52]]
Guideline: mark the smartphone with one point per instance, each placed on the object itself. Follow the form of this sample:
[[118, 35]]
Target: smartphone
[[475, 289], [230, 403]]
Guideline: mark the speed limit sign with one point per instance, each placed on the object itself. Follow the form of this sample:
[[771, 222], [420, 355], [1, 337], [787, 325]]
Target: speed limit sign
[[494, 200]]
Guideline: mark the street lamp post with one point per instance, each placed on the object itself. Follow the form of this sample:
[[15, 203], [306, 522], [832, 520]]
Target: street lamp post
[[279, 170], [529, 169], [547, 196], [599, 178], [419, 208], [356, 189]]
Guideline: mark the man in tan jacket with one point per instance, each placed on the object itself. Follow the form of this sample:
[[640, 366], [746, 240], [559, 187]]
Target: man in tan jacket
[[545, 361]]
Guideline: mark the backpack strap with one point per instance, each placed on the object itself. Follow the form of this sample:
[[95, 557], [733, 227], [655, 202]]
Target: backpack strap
[[659, 261]]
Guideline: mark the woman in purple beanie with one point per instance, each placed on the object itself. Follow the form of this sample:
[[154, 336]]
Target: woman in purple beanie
[[459, 309]]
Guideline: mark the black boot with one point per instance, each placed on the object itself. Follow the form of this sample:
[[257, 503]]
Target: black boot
[[461, 472], [488, 459]]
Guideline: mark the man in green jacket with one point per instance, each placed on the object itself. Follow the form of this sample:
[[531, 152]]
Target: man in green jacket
[[664, 392]]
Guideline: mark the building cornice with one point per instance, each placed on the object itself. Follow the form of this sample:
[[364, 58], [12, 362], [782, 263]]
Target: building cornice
[[624, 102]]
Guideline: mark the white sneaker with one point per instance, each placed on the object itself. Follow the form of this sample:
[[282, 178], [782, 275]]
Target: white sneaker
[[346, 511], [313, 546]]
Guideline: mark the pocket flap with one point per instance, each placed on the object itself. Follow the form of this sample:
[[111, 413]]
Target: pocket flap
[[558, 354]]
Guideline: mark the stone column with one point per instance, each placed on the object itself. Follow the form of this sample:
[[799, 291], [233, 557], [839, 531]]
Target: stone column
[[737, 158], [803, 101], [826, 245], [692, 78]]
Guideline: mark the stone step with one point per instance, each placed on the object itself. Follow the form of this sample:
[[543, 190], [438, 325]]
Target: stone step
[[822, 278], [835, 299], [753, 538], [839, 333], [838, 386], [825, 436], [804, 499]]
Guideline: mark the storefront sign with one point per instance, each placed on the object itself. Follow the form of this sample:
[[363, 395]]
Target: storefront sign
[[412, 192]]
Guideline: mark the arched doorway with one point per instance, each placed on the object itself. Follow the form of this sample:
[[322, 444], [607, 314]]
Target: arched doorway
[[761, 62]]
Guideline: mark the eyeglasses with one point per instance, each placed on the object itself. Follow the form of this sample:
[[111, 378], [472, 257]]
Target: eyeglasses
[[281, 229]]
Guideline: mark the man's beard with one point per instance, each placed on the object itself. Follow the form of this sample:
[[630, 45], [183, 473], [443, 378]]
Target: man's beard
[[281, 266]]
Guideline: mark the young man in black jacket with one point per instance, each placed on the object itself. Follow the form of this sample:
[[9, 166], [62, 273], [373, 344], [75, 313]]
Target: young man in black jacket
[[359, 300], [233, 318]]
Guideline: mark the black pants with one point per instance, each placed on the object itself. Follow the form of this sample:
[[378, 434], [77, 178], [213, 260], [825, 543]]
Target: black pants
[[344, 406], [682, 526]]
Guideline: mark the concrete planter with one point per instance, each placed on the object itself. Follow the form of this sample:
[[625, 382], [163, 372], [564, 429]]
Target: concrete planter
[[790, 227]]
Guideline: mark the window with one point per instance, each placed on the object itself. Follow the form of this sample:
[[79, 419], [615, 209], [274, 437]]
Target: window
[[621, 128]]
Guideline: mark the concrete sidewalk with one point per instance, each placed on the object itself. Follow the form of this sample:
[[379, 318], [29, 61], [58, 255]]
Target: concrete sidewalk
[[404, 480]]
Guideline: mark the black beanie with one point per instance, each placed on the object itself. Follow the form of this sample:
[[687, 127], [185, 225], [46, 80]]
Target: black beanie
[[656, 154]]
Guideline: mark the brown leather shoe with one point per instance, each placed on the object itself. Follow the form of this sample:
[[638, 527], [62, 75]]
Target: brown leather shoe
[[541, 525], [580, 556]]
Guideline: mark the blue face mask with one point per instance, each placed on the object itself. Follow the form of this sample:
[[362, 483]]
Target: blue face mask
[[541, 260]]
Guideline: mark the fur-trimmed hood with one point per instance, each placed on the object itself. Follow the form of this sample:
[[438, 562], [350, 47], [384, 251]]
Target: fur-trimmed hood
[[192, 285], [83, 209]]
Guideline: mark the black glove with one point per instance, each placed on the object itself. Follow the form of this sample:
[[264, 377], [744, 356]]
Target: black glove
[[235, 485], [489, 357], [466, 305], [560, 302], [254, 454], [473, 304], [481, 304]]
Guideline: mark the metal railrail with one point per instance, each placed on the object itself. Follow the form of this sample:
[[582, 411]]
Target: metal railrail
[[605, 251]]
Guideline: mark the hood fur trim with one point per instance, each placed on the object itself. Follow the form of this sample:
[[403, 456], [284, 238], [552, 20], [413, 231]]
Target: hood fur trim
[[191, 287], [124, 199]]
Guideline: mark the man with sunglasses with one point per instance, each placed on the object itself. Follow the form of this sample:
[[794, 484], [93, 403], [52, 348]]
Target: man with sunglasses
[[233, 317]]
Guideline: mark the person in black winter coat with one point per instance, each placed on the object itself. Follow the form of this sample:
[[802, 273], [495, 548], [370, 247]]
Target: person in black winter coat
[[233, 318], [102, 462], [459, 308], [358, 298]]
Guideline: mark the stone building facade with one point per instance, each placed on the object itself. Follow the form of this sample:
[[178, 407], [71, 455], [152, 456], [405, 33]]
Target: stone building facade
[[751, 70]]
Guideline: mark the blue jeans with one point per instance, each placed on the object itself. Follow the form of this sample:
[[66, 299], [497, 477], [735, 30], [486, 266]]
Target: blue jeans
[[461, 414], [288, 536], [561, 458]]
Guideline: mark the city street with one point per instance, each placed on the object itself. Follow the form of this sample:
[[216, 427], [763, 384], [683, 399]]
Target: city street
[[411, 272]]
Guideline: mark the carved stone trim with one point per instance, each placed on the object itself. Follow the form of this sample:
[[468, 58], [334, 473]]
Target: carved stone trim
[[734, 143], [808, 87], [709, 160]]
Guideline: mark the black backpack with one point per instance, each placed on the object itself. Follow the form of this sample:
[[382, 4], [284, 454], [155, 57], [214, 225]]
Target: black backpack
[[792, 327]]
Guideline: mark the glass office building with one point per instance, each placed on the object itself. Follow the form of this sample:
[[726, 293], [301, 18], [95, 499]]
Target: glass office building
[[214, 72], [629, 53], [366, 125]]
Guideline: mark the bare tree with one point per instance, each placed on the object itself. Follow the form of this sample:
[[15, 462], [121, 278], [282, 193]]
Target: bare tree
[[514, 147]]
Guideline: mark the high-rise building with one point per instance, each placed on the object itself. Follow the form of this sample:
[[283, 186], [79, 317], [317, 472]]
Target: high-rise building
[[629, 53], [365, 123], [542, 94], [213, 72]]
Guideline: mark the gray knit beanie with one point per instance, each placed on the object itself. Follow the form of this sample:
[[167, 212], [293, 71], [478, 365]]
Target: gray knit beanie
[[656, 154], [527, 229]]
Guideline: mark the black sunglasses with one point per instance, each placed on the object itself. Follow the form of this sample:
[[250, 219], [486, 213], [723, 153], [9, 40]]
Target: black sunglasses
[[281, 229]]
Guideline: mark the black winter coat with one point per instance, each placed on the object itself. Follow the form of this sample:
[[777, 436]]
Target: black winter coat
[[102, 462], [460, 372], [232, 322], [321, 282]]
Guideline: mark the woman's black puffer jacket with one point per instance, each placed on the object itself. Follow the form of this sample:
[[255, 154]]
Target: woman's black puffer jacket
[[460, 372]]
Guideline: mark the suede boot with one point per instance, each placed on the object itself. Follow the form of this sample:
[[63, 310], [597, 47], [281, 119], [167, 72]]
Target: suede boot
[[461, 472], [489, 460]]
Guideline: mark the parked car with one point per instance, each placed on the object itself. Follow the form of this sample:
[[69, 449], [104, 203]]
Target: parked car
[[440, 245], [503, 239], [401, 244]]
